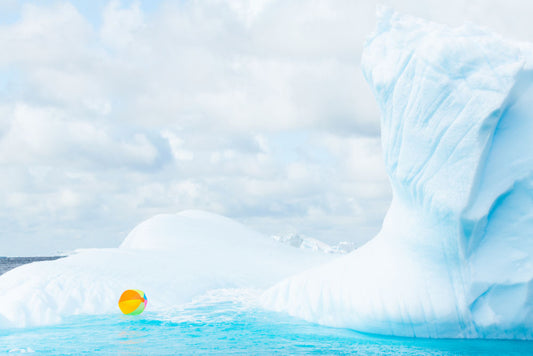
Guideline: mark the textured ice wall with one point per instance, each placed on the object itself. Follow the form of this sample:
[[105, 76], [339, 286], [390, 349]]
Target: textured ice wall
[[454, 257]]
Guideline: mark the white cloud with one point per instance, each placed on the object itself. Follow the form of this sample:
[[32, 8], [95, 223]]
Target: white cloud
[[121, 25], [49, 136], [254, 109], [501, 16]]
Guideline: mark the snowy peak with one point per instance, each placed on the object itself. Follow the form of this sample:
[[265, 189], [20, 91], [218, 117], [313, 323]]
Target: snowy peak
[[172, 232]]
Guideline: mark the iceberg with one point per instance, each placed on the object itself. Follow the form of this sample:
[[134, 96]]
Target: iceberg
[[454, 257], [173, 258]]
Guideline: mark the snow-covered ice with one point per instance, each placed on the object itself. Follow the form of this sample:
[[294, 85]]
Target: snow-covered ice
[[173, 258], [454, 257], [309, 243]]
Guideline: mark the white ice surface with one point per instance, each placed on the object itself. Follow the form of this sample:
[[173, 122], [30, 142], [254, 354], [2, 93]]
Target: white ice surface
[[454, 257], [173, 258]]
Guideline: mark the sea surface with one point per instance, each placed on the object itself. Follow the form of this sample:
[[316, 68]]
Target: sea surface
[[8, 263], [225, 323]]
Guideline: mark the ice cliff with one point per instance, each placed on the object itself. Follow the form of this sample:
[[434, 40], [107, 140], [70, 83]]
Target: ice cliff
[[454, 257]]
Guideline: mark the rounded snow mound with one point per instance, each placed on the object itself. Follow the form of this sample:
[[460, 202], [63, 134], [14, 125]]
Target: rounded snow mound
[[173, 258], [189, 229]]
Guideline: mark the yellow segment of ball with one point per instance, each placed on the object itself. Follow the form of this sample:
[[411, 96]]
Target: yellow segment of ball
[[128, 306]]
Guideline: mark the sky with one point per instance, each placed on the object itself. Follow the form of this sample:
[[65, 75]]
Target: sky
[[114, 111]]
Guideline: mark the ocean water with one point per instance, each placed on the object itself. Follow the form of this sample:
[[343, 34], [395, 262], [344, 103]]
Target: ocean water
[[226, 322]]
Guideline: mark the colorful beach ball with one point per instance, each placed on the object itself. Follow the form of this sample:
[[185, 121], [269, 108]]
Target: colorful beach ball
[[132, 302]]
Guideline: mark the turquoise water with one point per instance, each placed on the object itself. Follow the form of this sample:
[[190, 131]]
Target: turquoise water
[[227, 327]]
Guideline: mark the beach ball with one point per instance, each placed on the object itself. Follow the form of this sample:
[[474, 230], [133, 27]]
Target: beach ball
[[132, 302]]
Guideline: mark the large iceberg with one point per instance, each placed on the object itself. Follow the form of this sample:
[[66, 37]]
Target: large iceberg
[[173, 258], [454, 257]]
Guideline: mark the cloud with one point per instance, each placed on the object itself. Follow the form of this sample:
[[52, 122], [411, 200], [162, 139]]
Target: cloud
[[112, 112], [46, 136], [498, 15]]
